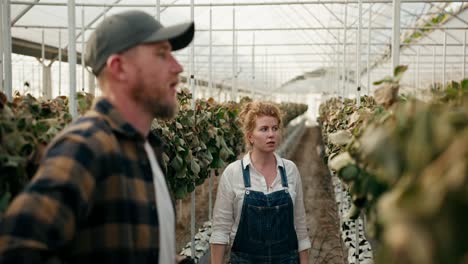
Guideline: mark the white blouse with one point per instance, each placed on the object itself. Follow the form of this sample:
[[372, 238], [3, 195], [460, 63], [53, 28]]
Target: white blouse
[[230, 197]]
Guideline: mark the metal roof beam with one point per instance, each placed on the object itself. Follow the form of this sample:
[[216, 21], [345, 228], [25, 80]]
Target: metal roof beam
[[233, 4], [265, 29], [22, 13]]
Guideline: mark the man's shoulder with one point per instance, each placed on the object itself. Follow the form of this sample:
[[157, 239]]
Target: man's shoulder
[[88, 125], [91, 129]]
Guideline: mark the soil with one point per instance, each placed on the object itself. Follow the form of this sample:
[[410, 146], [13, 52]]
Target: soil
[[321, 209], [319, 201], [183, 229]]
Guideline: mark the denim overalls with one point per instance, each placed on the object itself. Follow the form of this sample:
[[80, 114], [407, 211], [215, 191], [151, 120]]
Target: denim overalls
[[266, 232]]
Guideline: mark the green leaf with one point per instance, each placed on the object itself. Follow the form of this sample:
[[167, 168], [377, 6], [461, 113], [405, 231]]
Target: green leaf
[[177, 163], [349, 173], [386, 79], [195, 167], [180, 149], [354, 212], [399, 70], [180, 192], [464, 85]]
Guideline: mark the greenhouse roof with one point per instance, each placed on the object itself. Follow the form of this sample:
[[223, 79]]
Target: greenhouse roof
[[277, 46]]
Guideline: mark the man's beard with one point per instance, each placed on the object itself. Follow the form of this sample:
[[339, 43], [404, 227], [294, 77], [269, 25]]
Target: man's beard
[[154, 104]]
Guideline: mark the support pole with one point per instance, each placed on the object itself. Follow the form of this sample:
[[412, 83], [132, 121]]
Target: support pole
[[356, 238], [395, 36], [358, 61], [1, 48], [158, 10], [369, 49], [46, 73], [413, 62], [60, 63], [192, 88], [265, 67], [433, 65], [344, 48], [210, 66], [210, 195], [418, 53], [464, 55], [338, 66], [233, 88], [72, 58], [83, 29], [6, 36], [445, 59], [91, 83], [212, 172], [253, 66]]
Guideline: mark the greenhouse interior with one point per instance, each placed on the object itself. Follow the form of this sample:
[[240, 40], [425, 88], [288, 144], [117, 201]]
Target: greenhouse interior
[[373, 96]]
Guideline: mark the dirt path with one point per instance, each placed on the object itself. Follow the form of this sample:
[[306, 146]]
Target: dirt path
[[321, 209]]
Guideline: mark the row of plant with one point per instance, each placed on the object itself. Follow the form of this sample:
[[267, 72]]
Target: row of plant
[[200, 139], [405, 163]]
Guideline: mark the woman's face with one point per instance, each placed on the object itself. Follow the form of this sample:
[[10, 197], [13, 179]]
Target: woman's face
[[266, 134]]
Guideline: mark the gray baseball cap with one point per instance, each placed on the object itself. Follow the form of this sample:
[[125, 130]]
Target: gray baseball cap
[[123, 31]]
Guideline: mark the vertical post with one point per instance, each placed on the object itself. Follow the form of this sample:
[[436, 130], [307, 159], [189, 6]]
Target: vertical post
[[451, 72], [445, 59], [192, 86], [83, 49], [33, 79], [210, 193], [22, 76], [72, 58], [91, 83], [433, 65], [464, 55], [345, 30], [7, 49], [210, 66], [44, 89], [60, 63], [338, 66], [265, 80], [369, 48], [233, 98], [1, 47], [158, 10], [358, 56], [418, 54], [356, 248], [395, 36], [413, 61], [253, 66]]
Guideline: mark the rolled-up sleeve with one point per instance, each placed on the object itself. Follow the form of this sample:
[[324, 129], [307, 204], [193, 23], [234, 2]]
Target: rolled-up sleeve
[[223, 213], [300, 215]]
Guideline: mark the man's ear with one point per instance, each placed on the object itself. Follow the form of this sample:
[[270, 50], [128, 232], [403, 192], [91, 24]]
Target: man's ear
[[115, 67]]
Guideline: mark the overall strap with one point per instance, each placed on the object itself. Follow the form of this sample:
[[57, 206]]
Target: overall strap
[[246, 175], [284, 179]]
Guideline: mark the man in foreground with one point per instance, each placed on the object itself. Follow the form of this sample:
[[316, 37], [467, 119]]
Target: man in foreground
[[99, 195]]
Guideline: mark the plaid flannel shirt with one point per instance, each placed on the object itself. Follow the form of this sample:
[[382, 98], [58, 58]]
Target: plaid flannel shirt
[[92, 199]]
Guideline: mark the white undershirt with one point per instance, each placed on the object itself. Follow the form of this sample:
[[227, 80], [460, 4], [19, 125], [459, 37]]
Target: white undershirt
[[166, 218]]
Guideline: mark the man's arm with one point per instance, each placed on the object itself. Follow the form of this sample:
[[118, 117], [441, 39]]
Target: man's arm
[[42, 219]]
